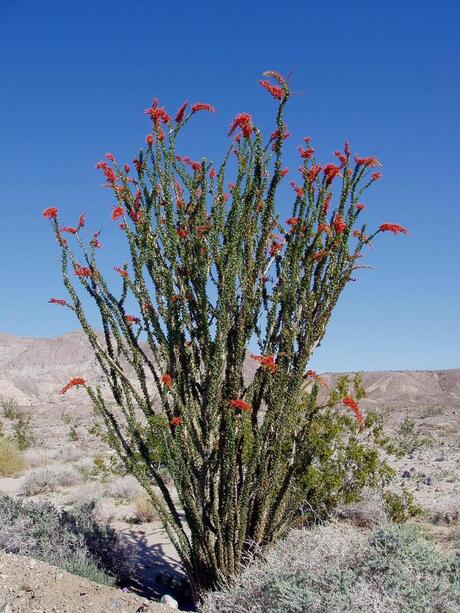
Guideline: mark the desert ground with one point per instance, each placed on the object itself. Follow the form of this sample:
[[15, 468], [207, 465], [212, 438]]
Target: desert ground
[[67, 460]]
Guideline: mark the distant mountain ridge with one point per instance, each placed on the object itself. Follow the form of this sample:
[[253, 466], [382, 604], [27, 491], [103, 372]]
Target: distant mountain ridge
[[33, 370]]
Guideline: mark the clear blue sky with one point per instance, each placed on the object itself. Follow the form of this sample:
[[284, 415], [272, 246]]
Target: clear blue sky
[[76, 77]]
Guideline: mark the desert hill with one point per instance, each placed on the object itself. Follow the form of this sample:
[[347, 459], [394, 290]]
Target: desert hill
[[34, 370]]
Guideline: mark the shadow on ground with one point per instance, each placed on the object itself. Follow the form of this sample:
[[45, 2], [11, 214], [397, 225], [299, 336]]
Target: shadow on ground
[[157, 572]]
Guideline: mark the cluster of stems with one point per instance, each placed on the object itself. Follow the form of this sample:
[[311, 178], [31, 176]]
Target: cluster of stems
[[215, 272]]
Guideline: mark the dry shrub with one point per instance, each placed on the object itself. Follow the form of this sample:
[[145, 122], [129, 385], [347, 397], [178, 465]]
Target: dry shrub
[[36, 457], [11, 460], [126, 488], [333, 568], [46, 480], [144, 511]]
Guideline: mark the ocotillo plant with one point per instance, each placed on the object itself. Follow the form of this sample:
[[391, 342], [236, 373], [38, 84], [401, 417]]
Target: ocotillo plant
[[215, 272]]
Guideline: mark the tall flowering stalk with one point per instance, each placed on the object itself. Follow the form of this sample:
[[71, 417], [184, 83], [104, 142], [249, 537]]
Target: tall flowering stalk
[[215, 272]]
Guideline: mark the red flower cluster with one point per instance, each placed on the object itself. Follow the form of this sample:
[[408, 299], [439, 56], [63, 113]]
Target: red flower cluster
[[58, 301], [82, 271], [275, 248], [376, 176], [181, 233], [200, 106], [181, 112], [166, 379], [108, 172], [117, 212], [306, 153], [241, 405], [312, 373], [349, 402], [393, 227], [360, 207], [156, 114], [320, 255], [313, 172], [292, 221], [339, 224], [268, 361], [370, 161], [75, 382], [81, 221], [298, 190], [94, 242], [131, 319], [50, 213], [176, 421], [68, 229], [121, 271], [277, 92], [323, 227], [243, 121], [330, 172]]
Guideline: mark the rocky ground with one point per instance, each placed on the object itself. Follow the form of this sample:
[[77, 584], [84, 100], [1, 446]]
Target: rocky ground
[[29, 586]]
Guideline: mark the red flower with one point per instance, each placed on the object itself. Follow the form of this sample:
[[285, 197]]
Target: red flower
[[244, 122], [126, 167], [131, 319], [346, 148], [149, 140], [326, 204], [275, 248], [81, 221], [110, 156], [75, 382], [320, 255], [331, 171], [284, 172], [312, 373], [370, 161], [121, 271], [313, 172], [176, 421], [376, 176], [94, 243], [277, 92], [349, 402], [268, 361], [181, 233], [181, 112], [212, 173], [201, 229], [277, 137], [58, 301], [157, 115], [166, 379], [393, 227], [360, 206], [117, 212], [323, 227], [242, 405], [292, 221], [306, 153], [343, 158], [357, 233], [298, 190], [200, 106], [68, 229], [82, 271], [50, 213], [339, 224]]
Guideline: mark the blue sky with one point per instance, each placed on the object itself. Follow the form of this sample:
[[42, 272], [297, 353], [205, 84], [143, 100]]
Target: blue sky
[[76, 78]]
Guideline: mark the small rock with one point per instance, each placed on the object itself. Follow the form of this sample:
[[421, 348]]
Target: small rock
[[427, 481], [406, 474], [169, 601]]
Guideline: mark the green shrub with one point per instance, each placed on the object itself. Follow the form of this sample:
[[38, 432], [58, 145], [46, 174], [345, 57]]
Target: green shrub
[[73, 540], [399, 507], [9, 407], [11, 461], [332, 569]]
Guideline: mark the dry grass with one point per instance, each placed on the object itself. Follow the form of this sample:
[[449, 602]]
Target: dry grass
[[11, 460], [144, 511]]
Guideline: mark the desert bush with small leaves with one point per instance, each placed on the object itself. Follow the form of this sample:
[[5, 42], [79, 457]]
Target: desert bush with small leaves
[[74, 540], [333, 568], [46, 480]]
